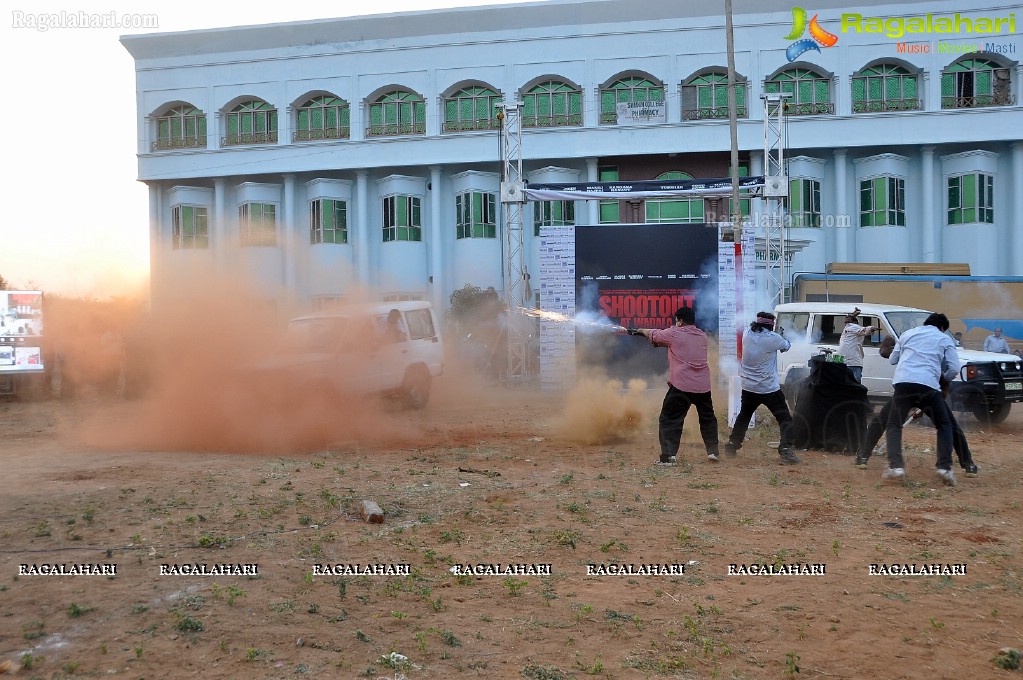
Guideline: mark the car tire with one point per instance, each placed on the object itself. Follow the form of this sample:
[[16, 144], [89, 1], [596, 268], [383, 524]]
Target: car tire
[[415, 388], [991, 414]]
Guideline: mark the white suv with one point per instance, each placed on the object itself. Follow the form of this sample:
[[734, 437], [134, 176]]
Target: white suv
[[987, 384], [390, 348]]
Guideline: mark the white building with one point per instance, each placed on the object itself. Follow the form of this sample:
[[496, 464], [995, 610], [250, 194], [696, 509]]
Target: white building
[[322, 156]]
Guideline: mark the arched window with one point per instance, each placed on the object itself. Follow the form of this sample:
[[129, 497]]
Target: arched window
[[975, 82], [885, 87], [552, 104], [183, 127], [706, 96], [251, 122], [630, 89], [811, 92], [686, 210], [398, 112], [471, 108], [325, 117]]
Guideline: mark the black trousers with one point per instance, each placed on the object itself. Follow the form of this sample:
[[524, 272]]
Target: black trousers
[[775, 402], [878, 423], [930, 401], [673, 414]]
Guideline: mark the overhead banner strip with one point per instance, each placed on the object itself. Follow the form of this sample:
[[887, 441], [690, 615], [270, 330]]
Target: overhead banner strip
[[580, 191]]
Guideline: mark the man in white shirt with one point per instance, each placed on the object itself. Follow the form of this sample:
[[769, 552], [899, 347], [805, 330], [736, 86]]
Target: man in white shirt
[[996, 343], [759, 372], [851, 344], [922, 357]]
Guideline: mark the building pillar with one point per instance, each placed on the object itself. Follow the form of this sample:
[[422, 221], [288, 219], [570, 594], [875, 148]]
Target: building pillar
[[156, 241], [843, 237], [218, 237], [362, 227], [438, 290], [592, 207], [289, 234], [930, 234], [1015, 219]]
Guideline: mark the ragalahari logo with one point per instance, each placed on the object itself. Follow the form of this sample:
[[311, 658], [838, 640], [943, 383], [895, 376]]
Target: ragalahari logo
[[818, 36]]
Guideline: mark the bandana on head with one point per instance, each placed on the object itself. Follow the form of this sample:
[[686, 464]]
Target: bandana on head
[[764, 321]]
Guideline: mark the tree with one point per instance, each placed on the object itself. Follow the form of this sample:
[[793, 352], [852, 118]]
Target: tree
[[3, 283], [473, 304]]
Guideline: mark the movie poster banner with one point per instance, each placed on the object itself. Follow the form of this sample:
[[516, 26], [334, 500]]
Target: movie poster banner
[[638, 275]]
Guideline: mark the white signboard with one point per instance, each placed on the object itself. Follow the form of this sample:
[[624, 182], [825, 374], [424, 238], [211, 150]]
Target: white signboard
[[638, 113], [557, 295]]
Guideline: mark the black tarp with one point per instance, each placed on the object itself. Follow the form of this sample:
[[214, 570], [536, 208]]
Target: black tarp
[[831, 409]]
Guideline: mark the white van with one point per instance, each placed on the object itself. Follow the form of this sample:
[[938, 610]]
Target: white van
[[987, 385], [389, 348]]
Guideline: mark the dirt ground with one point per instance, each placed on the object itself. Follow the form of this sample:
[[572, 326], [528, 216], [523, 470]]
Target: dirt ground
[[490, 475]]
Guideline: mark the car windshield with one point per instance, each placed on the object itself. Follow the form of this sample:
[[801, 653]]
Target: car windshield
[[314, 335], [903, 321]]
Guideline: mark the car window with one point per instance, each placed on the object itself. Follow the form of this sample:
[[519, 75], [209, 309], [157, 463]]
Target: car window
[[793, 325], [874, 339], [420, 324], [315, 335], [827, 328], [903, 321]]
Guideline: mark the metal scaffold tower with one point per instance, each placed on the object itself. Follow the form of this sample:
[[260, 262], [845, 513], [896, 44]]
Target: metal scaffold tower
[[776, 190], [516, 277]]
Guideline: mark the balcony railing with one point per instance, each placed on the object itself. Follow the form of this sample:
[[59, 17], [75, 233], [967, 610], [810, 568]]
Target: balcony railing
[[249, 138], [977, 101], [166, 144], [472, 125], [808, 108], [706, 112], [554, 120], [393, 129], [328, 133], [877, 105]]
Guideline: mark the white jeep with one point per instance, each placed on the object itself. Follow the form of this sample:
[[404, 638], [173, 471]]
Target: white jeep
[[987, 384], [389, 348]]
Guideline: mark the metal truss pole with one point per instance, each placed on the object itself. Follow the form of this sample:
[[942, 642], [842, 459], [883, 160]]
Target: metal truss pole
[[776, 190], [515, 275]]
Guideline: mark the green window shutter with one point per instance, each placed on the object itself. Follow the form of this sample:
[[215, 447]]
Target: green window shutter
[[823, 93], [575, 103], [982, 82], [880, 195], [874, 89], [607, 101], [947, 85], [970, 191], [893, 88]]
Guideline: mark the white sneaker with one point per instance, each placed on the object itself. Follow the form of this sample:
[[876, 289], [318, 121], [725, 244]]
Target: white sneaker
[[712, 457], [893, 473], [947, 476]]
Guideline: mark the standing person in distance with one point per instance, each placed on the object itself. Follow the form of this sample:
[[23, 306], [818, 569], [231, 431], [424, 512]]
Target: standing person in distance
[[759, 373], [996, 343], [922, 357], [688, 384], [851, 344]]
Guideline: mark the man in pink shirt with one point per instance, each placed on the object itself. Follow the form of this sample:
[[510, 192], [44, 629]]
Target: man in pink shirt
[[688, 384]]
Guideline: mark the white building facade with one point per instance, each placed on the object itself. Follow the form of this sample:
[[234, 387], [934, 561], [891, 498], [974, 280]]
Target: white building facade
[[325, 157]]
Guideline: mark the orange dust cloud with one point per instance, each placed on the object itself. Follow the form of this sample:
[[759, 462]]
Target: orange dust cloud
[[601, 411], [198, 370]]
